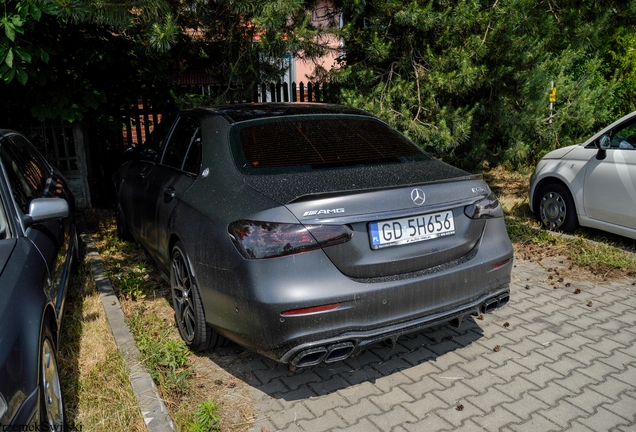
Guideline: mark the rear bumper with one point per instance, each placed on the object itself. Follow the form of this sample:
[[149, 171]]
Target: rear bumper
[[245, 304], [352, 343]]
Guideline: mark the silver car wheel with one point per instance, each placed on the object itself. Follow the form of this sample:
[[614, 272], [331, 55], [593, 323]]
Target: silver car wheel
[[182, 296], [51, 388], [553, 210]]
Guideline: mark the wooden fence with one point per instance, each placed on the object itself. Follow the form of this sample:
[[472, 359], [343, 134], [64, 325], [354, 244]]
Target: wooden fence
[[138, 121]]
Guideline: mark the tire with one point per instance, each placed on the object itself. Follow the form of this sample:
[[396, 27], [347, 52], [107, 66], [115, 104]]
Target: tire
[[122, 227], [188, 308], [52, 414], [556, 209]]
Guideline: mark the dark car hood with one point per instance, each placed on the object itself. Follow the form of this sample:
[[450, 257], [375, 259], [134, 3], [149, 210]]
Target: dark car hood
[[286, 188]]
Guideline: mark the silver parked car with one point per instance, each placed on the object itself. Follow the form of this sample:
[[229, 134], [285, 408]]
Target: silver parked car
[[592, 184], [306, 232]]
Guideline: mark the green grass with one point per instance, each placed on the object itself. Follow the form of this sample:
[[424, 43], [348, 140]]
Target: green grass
[[585, 254], [162, 354], [204, 418], [144, 296], [586, 248], [131, 281]]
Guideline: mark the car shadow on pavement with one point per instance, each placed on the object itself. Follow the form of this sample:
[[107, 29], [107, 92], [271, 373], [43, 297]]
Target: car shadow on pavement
[[380, 360]]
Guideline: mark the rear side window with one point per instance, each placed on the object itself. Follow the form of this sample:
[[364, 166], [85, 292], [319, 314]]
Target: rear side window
[[154, 145], [183, 149], [26, 171], [318, 142]]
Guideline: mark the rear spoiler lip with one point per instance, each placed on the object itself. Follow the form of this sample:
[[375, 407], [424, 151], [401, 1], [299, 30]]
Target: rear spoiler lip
[[350, 219], [340, 193]]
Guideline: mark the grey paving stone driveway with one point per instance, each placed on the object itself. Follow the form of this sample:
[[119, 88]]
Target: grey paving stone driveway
[[550, 360]]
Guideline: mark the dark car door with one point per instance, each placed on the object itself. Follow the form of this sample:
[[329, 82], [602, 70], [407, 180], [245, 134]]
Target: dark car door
[[166, 183], [132, 189], [31, 177]]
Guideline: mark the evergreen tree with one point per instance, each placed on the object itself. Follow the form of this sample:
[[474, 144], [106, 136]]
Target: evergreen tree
[[242, 42], [470, 80], [67, 60]]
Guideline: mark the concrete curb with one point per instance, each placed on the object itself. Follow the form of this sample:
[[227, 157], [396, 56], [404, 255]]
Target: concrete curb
[[151, 405]]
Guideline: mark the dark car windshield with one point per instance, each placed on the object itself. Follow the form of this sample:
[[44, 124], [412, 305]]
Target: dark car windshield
[[307, 143]]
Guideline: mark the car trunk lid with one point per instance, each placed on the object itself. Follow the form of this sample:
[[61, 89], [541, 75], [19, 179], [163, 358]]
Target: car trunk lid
[[443, 233]]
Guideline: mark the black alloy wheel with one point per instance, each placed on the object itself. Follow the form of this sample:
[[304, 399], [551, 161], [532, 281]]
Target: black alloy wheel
[[187, 304]]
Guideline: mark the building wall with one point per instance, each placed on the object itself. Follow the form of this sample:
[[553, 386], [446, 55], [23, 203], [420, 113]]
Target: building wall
[[323, 15]]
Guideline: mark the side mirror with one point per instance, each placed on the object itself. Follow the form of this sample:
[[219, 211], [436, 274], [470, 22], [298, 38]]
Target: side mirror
[[131, 154], [45, 209], [604, 142]]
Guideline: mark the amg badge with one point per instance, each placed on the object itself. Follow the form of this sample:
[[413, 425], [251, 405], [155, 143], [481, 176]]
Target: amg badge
[[323, 212]]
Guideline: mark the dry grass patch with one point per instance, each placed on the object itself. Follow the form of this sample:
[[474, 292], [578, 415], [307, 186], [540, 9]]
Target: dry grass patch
[[512, 189], [198, 389], [97, 392]]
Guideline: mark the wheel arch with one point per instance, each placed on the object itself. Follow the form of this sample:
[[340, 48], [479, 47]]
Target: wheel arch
[[174, 238], [50, 323], [542, 184], [49, 320]]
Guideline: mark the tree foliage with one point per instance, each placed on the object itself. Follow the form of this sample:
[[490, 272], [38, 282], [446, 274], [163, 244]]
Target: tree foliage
[[69, 59], [65, 59], [241, 42], [470, 79]]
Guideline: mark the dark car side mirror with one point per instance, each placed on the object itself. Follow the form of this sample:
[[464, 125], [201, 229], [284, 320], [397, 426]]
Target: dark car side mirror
[[45, 209], [131, 153]]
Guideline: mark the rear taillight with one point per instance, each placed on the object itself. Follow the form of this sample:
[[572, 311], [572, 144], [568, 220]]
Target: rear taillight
[[486, 208], [258, 240]]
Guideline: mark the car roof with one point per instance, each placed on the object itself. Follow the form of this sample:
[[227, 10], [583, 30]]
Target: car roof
[[252, 111]]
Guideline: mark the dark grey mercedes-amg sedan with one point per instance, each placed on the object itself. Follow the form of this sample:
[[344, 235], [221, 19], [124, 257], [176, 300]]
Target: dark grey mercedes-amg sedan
[[306, 232]]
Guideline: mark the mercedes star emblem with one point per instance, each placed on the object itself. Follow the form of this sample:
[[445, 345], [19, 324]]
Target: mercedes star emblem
[[418, 197]]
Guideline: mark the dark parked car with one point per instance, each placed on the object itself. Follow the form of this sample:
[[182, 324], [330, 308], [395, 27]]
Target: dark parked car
[[38, 244], [306, 232]]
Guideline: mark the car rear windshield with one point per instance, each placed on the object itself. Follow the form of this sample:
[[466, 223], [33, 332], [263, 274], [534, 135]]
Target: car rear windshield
[[318, 142]]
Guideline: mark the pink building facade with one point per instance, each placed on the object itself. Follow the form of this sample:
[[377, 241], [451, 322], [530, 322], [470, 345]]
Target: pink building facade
[[324, 15]]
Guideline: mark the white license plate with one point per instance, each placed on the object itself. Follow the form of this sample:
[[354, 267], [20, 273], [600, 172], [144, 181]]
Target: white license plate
[[412, 229]]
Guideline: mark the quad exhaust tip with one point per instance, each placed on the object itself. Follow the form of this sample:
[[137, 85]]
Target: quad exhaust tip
[[456, 322], [329, 354], [340, 351], [495, 302]]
